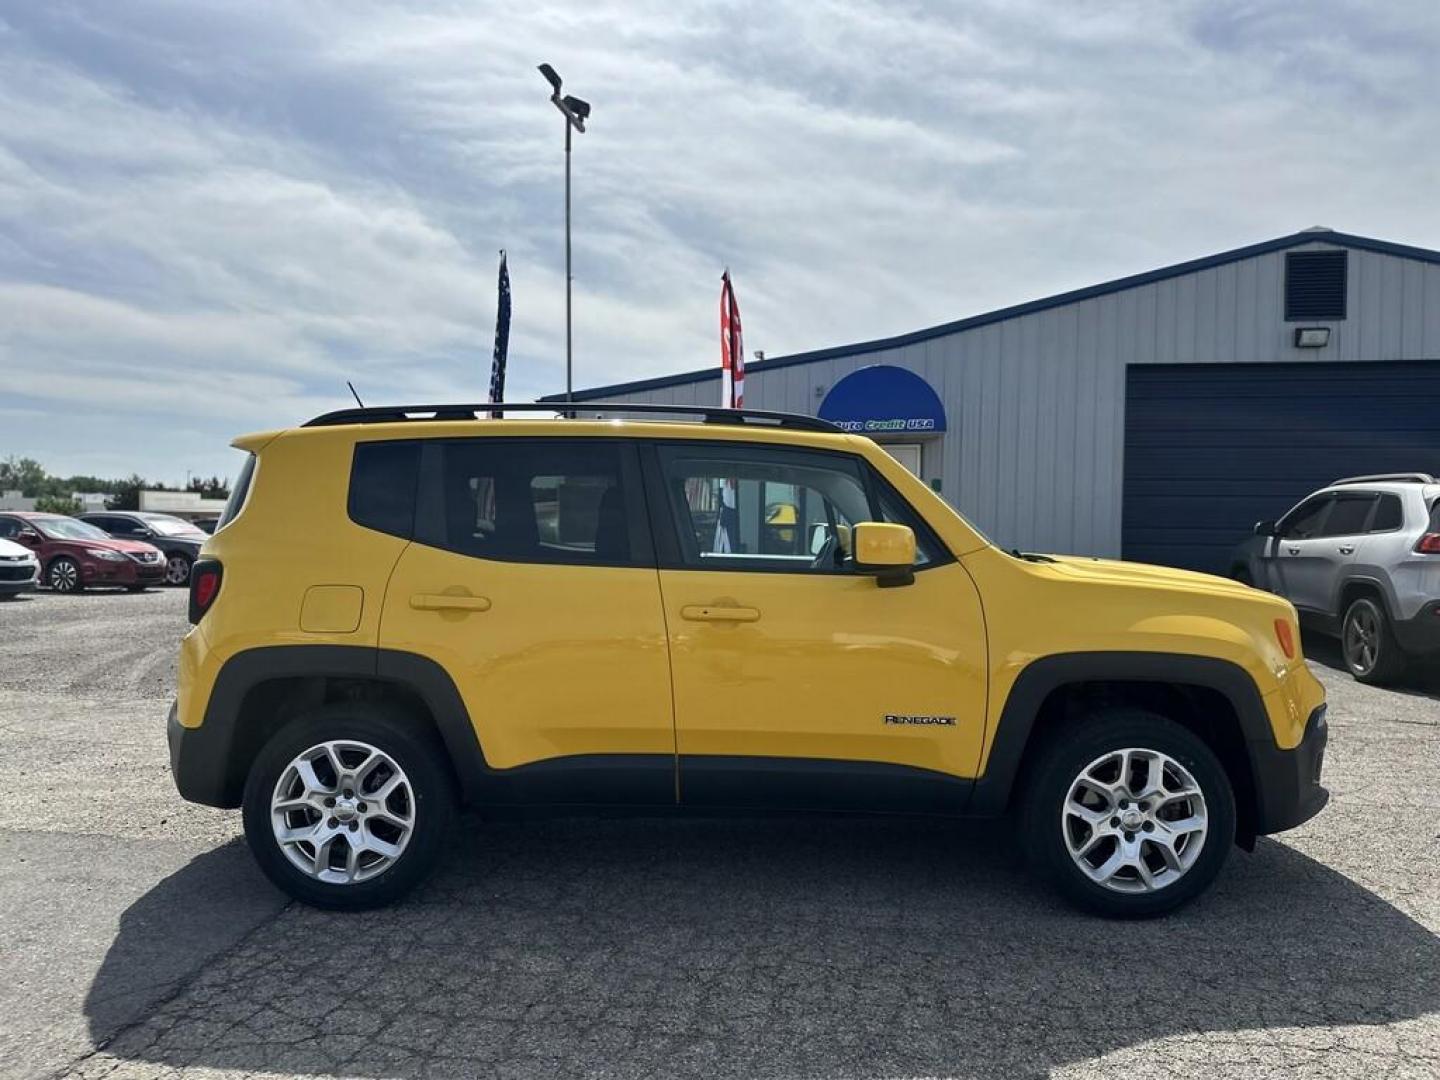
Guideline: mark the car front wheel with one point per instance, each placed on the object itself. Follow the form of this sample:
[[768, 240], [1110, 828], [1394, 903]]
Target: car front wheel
[[1129, 814], [1371, 652], [349, 807]]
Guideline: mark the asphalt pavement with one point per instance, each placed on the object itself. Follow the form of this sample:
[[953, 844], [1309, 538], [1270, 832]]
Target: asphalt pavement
[[138, 940]]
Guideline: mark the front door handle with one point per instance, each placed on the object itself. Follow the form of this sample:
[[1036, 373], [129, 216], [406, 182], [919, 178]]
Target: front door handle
[[448, 602], [1347, 549], [1293, 551], [719, 613]]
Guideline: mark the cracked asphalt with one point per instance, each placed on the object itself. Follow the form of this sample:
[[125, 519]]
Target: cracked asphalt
[[138, 940]]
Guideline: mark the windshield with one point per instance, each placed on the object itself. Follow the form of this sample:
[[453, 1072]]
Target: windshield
[[170, 526], [63, 528]]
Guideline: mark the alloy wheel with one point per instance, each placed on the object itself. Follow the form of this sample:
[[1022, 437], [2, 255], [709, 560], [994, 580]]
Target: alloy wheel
[[64, 575], [177, 570], [343, 812], [1362, 639], [1134, 820]]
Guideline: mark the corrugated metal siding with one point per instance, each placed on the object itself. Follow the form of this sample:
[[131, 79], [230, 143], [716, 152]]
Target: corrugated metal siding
[[1036, 404]]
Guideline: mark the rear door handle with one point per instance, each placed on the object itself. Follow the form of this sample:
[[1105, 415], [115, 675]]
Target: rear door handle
[[1293, 551], [448, 602], [717, 613], [1347, 549]]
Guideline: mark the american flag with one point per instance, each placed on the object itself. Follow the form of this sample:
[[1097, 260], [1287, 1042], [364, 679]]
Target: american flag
[[502, 334], [732, 396]]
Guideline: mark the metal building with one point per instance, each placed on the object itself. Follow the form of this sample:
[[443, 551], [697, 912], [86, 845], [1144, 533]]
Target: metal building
[[1156, 417]]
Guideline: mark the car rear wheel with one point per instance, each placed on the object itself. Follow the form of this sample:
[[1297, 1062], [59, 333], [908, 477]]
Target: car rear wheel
[[1129, 814], [1371, 652], [349, 807], [177, 570], [64, 575]]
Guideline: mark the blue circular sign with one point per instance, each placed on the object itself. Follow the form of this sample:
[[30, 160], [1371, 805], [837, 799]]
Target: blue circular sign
[[884, 400]]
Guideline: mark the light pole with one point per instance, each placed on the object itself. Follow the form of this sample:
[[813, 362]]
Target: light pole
[[576, 112]]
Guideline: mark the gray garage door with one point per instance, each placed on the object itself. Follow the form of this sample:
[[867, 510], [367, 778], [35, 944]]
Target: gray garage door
[[1212, 448]]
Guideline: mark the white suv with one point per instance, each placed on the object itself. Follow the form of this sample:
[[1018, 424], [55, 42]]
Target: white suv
[[1361, 559]]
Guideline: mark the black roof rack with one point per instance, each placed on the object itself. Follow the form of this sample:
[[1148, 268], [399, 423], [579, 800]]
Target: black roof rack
[[389, 414]]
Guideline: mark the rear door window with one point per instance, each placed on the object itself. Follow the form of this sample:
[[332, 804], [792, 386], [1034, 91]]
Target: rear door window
[[538, 500], [1348, 516]]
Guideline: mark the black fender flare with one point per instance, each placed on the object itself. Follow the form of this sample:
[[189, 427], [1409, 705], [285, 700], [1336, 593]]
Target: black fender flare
[[1043, 676]]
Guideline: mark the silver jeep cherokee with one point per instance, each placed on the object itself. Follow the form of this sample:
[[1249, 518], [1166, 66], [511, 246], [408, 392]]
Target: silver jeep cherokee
[[1361, 559]]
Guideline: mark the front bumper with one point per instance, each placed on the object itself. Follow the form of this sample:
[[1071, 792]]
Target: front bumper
[[1287, 782], [10, 585], [128, 572]]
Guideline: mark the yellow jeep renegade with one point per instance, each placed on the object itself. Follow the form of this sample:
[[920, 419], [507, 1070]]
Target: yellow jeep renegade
[[406, 610]]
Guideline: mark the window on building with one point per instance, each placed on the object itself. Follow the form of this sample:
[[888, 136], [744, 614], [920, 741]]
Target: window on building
[[541, 500], [1348, 516], [1389, 515], [1315, 284]]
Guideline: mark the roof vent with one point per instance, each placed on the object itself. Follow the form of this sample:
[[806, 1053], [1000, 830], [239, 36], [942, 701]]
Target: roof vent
[[1315, 285]]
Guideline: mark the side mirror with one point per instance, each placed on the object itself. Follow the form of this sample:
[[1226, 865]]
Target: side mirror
[[28, 536], [885, 550], [1265, 528]]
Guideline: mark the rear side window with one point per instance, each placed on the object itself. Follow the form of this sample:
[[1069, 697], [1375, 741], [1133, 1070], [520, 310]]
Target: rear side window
[[1389, 515], [238, 493], [539, 500], [383, 479], [1348, 516]]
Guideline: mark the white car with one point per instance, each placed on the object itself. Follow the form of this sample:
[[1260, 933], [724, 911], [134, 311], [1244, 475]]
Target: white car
[[19, 569]]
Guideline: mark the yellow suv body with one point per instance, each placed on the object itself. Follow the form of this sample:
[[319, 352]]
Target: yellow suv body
[[406, 611]]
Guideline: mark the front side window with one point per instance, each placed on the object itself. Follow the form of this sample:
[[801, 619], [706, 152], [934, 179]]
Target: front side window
[[1303, 522], [771, 508], [538, 500], [9, 528]]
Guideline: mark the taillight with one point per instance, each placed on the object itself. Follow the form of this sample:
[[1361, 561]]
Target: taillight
[[1286, 637], [1429, 544], [205, 578]]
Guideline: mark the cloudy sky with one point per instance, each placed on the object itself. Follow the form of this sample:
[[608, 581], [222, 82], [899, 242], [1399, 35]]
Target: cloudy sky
[[213, 214]]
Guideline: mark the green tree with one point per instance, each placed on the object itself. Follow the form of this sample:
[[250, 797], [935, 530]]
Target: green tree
[[26, 474], [126, 494], [58, 504]]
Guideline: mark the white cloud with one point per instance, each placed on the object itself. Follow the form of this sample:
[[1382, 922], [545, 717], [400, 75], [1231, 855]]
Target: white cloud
[[212, 215]]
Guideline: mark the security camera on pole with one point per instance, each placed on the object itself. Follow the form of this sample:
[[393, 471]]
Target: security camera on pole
[[576, 112]]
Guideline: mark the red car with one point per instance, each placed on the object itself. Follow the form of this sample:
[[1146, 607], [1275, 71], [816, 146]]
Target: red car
[[74, 555]]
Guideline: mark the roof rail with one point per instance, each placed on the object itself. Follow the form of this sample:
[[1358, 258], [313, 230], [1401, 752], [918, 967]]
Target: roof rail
[[1380, 478], [389, 414]]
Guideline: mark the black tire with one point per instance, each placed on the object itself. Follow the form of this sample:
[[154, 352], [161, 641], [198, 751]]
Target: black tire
[[63, 575], [1061, 762], [1381, 661], [419, 756]]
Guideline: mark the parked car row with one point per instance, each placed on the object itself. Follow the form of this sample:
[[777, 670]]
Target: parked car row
[[1359, 559], [124, 549]]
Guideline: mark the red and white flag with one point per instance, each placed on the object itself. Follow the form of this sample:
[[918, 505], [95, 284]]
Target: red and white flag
[[732, 348], [732, 396]]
